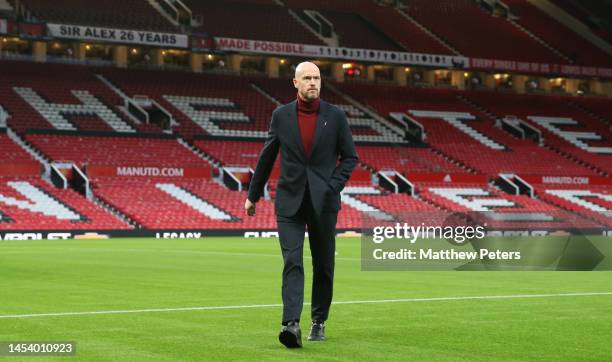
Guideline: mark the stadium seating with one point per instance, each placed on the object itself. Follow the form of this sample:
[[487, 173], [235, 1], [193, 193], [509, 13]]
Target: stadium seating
[[204, 204], [461, 138], [574, 9], [482, 146], [12, 153], [600, 108], [250, 21], [159, 203], [383, 18], [131, 14], [362, 204], [129, 151], [518, 211], [363, 127], [201, 104], [29, 203], [231, 153], [405, 159], [593, 201], [528, 107], [579, 50], [346, 25], [476, 33], [57, 96]]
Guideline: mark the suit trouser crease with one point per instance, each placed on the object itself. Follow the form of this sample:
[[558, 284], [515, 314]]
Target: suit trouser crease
[[321, 230]]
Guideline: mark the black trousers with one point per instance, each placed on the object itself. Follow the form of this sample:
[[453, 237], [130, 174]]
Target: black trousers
[[321, 235]]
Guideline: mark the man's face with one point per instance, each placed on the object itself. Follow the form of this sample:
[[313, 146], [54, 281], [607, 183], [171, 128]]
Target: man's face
[[308, 82]]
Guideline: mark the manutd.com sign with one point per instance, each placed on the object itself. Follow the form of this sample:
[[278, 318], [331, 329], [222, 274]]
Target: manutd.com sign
[[150, 171], [141, 171]]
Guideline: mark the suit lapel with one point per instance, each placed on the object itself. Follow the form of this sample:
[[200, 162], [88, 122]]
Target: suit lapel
[[321, 124], [295, 128]]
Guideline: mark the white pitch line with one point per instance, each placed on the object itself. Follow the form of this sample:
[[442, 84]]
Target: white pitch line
[[189, 252], [379, 301]]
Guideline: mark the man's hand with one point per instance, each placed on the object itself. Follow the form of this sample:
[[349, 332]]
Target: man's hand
[[249, 207]]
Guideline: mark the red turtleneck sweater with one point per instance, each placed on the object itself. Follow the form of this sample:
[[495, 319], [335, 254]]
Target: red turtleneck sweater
[[307, 121]]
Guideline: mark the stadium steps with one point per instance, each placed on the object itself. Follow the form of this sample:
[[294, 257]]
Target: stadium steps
[[473, 104], [112, 86], [199, 153], [38, 155], [115, 120], [115, 212], [568, 20], [129, 118], [123, 113], [155, 5], [540, 40], [428, 202], [428, 32], [484, 111], [368, 111], [330, 42], [208, 157], [575, 159], [265, 94], [432, 202], [453, 160], [590, 113], [470, 131]]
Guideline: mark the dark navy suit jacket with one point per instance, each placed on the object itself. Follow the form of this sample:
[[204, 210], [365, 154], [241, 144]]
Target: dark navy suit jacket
[[325, 171]]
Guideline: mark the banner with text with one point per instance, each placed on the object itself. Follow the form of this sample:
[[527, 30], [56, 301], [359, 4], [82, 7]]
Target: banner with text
[[405, 58], [539, 68], [94, 33], [319, 51]]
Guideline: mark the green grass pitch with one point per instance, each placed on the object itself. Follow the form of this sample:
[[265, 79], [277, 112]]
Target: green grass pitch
[[39, 277]]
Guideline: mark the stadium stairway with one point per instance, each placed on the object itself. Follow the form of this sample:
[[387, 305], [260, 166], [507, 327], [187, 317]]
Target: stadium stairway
[[574, 47], [407, 32], [466, 27]]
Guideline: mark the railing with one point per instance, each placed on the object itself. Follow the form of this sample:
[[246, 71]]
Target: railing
[[3, 117]]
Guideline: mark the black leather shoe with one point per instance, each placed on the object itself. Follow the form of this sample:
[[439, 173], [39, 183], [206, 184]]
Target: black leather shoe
[[291, 335], [317, 331]]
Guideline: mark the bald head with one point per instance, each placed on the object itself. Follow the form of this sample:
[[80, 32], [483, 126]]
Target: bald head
[[307, 81], [305, 67]]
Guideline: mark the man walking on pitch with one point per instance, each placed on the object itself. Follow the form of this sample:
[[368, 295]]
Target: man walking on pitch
[[311, 135]]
